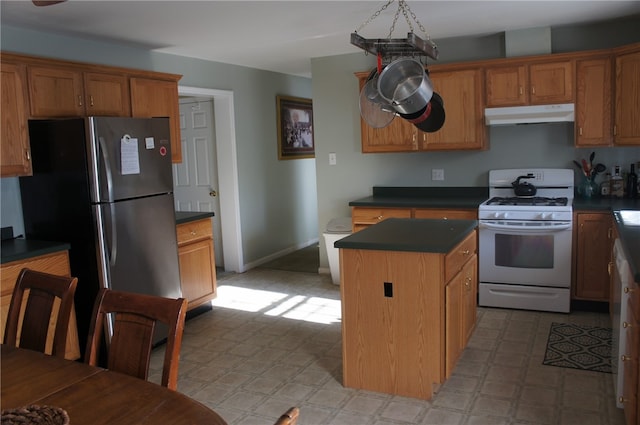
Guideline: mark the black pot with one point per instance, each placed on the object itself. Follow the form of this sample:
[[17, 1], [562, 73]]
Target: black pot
[[430, 118], [524, 189]]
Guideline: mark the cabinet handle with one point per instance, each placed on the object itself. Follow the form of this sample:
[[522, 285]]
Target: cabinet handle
[[533, 90], [627, 290], [79, 100], [625, 358], [27, 153], [580, 131], [622, 400], [193, 233], [520, 91], [380, 217], [467, 282], [609, 265], [91, 100], [615, 130], [626, 325], [466, 252]]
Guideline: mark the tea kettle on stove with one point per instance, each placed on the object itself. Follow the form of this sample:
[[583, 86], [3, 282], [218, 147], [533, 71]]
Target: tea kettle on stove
[[524, 188]]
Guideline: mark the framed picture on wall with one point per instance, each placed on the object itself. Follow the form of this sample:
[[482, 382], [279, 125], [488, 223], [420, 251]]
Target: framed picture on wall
[[295, 127]]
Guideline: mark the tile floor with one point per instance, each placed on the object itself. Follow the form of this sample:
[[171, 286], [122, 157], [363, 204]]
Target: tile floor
[[273, 341]]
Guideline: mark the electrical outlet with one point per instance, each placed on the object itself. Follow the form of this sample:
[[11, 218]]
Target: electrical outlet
[[332, 158], [437, 174]]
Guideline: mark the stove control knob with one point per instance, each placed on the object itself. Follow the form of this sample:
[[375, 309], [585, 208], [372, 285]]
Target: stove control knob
[[546, 216]]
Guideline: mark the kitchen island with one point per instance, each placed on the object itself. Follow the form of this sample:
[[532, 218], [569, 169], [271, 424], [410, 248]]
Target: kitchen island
[[408, 303]]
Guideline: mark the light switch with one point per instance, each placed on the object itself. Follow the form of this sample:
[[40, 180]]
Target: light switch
[[332, 158]]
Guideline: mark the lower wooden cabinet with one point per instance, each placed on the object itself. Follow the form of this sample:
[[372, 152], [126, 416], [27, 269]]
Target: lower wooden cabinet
[[56, 263], [631, 358], [197, 262], [445, 214], [592, 254], [362, 217]]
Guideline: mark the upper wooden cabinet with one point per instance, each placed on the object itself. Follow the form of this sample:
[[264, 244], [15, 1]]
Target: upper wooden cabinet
[[54, 88], [157, 98], [15, 157], [529, 83], [627, 104], [593, 108], [461, 92]]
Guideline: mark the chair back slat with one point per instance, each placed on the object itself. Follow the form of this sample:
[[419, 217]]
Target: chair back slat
[[135, 318], [28, 327]]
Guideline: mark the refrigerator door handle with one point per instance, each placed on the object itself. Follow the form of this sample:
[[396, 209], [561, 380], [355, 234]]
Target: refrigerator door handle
[[104, 155], [113, 248]]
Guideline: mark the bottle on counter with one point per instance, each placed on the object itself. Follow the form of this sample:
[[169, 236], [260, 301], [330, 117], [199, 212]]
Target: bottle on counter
[[617, 183], [605, 186], [632, 183]]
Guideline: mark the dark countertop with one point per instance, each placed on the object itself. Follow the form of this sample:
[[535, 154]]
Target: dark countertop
[[22, 249], [424, 197], [628, 225], [605, 204], [410, 234], [185, 217]]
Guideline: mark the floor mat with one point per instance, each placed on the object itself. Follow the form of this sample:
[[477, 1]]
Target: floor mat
[[579, 347], [306, 260]]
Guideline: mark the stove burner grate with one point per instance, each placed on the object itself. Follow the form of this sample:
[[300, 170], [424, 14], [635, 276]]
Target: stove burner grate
[[537, 201]]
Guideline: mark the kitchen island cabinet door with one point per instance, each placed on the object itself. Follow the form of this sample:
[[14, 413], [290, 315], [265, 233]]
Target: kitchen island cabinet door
[[55, 263], [627, 107], [593, 113], [15, 157], [464, 128], [158, 98]]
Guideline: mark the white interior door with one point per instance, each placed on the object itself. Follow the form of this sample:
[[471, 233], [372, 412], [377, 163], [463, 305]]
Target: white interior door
[[196, 178]]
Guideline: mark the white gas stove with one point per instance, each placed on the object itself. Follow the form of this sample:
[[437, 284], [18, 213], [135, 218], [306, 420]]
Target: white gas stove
[[525, 239]]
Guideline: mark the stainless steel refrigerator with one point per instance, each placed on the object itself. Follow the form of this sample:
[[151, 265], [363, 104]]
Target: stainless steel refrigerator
[[104, 185]]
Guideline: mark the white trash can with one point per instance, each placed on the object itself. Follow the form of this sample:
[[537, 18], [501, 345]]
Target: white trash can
[[337, 228]]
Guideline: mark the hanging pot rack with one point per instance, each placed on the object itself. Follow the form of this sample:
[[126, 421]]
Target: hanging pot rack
[[386, 49]]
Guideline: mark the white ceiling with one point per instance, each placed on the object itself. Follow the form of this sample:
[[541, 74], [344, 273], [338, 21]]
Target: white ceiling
[[283, 36]]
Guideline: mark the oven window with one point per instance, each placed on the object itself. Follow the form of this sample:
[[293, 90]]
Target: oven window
[[524, 251]]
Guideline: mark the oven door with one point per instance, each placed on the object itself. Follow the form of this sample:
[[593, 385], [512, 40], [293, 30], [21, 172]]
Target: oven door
[[535, 253]]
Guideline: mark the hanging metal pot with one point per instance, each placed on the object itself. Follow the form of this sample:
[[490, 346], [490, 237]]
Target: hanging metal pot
[[405, 85], [431, 118]]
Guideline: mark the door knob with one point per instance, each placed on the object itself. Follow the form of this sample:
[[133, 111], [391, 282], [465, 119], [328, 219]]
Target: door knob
[[213, 193]]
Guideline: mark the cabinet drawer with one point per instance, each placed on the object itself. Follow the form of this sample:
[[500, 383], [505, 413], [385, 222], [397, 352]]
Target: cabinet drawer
[[459, 255], [370, 216], [445, 214], [194, 230]]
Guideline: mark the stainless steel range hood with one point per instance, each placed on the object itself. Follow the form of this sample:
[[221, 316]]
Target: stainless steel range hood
[[529, 114]]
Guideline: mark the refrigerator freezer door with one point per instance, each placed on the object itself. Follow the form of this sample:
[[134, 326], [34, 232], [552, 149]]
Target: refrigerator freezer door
[[129, 157], [139, 250]]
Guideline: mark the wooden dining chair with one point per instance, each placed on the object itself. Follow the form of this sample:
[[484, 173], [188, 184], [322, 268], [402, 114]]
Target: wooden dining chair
[[135, 317], [290, 417], [42, 290]]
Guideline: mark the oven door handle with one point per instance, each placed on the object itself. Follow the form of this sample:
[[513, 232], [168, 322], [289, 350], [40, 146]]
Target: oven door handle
[[555, 227]]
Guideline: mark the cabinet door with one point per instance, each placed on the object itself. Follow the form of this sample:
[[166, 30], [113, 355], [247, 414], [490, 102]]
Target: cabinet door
[[506, 86], [593, 251], [453, 322], [627, 109], [593, 102], [158, 98], [107, 94], [399, 136], [55, 92], [469, 299], [197, 272], [463, 127], [551, 83], [15, 158]]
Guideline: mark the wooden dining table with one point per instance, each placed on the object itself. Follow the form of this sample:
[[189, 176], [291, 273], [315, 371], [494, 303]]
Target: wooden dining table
[[92, 395]]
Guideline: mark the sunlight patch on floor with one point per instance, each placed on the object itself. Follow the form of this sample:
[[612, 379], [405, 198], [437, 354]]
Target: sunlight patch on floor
[[279, 304]]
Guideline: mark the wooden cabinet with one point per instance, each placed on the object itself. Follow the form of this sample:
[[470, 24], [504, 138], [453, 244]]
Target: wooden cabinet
[[362, 217], [592, 254], [54, 88], [627, 101], [157, 98], [535, 83], [56, 263], [197, 262], [631, 356], [15, 156], [593, 107], [397, 337], [462, 94], [445, 214]]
